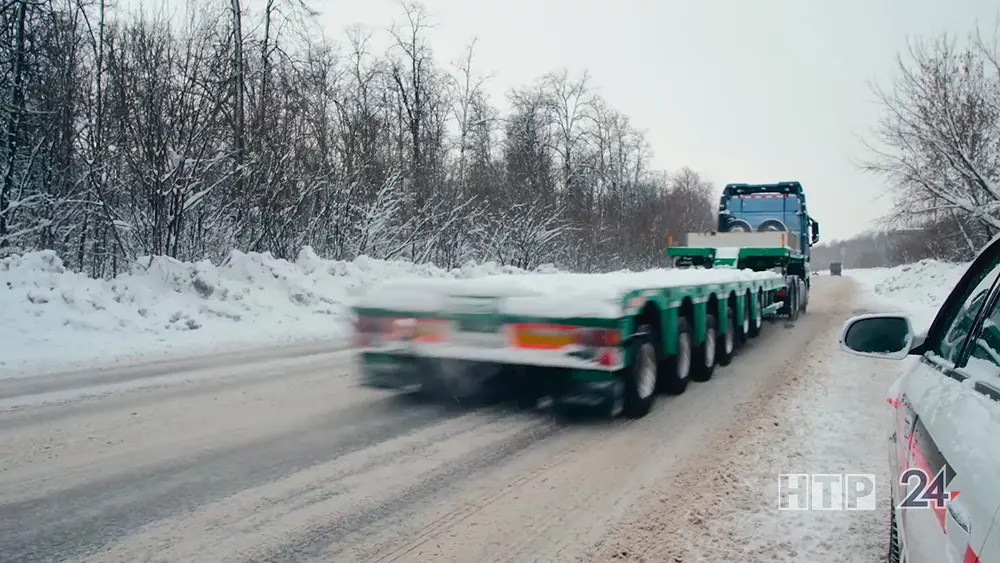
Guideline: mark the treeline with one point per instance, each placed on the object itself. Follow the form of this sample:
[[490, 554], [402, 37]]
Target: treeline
[[126, 134], [888, 247], [938, 147], [872, 249]]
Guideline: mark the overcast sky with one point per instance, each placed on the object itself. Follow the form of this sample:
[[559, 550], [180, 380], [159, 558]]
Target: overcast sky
[[739, 90]]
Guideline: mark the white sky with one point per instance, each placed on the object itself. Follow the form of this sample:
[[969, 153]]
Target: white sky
[[740, 90]]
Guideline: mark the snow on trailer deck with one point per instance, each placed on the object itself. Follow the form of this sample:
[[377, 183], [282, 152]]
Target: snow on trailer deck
[[554, 295]]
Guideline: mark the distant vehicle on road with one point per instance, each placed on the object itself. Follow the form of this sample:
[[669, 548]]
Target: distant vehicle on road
[[944, 421], [835, 268]]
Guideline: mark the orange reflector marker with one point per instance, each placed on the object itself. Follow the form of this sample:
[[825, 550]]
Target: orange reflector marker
[[552, 337], [541, 336]]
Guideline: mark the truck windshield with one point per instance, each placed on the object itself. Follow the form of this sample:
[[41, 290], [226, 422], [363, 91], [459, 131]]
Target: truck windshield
[[776, 205], [758, 205]]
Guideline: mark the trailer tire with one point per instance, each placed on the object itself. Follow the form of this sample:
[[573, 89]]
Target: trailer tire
[[744, 331], [793, 301], [805, 296], [703, 365], [640, 378], [727, 344], [757, 322], [678, 366]]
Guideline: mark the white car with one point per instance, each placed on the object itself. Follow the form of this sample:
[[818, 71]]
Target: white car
[[944, 440]]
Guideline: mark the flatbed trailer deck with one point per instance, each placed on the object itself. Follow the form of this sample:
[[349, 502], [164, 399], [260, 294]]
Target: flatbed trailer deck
[[607, 342]]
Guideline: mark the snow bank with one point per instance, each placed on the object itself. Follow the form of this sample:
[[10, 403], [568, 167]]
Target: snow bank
[[53, 318], [917, 289]]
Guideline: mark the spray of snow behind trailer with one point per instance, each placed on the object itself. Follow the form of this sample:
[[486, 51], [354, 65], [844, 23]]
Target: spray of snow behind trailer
[[760, 227]]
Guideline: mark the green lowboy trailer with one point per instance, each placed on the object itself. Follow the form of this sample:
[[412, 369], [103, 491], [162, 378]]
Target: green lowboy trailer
[[608, 343]]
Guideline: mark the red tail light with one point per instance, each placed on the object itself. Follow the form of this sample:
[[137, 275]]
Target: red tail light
[[598, 337], [606, 358]]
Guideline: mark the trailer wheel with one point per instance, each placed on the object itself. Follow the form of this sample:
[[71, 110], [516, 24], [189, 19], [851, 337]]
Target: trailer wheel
[[744, 332], [805, 296], [640, 377], [793, 301], [704, 365], [758, 319], [727, 344], [678, 372]]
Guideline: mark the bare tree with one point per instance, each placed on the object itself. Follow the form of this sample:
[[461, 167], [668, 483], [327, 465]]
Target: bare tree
[[129, 135], [938, 139]]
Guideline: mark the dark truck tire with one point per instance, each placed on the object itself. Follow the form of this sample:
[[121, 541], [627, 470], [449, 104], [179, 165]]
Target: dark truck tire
[[805, 296], [757, 321], [641, 377], [703, 365], [727, 343], [792, 294], [677, 368], [743, 332]]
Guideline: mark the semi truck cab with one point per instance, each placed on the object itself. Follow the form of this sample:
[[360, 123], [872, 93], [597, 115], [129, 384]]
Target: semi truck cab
[[777, 207], [760, 227]]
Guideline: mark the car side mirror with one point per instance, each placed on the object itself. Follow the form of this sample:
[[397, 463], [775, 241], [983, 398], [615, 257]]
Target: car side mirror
[[885, 336]]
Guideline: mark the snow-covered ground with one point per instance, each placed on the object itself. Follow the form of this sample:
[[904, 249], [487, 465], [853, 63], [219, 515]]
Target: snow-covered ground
[[917, 289], [54, 319]]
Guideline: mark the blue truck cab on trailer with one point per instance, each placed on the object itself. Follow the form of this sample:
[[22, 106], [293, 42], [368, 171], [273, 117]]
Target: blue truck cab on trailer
[[769, 207], [760, 227]]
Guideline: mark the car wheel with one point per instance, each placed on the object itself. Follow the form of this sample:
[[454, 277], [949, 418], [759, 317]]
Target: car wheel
[[895, 552]]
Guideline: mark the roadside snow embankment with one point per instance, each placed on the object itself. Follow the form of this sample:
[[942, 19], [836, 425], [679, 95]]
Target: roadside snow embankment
[[54, 319], [917, 289]]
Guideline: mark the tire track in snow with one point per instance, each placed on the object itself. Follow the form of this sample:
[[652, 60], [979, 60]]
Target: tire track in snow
[[298, 516], [93, 514]]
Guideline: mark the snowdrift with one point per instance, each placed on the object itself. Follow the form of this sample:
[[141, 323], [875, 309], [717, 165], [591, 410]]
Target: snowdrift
[[918, 289], [54, 319]]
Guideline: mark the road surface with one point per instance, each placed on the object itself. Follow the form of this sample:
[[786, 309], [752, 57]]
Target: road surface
[[279, 456]]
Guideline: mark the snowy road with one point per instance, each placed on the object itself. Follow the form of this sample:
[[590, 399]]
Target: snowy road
[[279, 456]]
